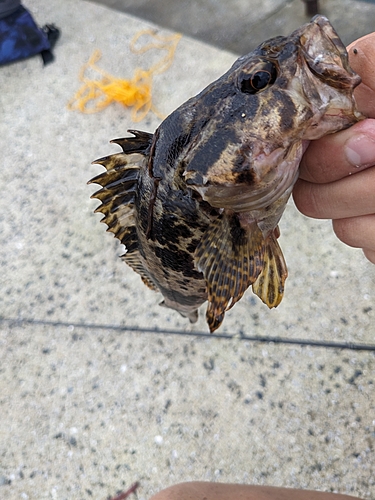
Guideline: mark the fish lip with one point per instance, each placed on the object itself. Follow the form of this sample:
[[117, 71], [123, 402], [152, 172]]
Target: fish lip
[[326, 55]]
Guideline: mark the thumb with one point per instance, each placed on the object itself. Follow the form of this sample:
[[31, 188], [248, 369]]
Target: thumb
[[361, 59]]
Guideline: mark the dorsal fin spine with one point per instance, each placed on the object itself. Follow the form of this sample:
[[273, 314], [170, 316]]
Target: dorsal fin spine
[[118, 193]]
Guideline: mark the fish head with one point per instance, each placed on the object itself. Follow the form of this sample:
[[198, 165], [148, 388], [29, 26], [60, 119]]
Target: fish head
[[249, 129]]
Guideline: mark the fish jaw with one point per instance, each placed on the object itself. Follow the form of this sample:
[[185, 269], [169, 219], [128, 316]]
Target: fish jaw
[[326, 55], [327, 72]]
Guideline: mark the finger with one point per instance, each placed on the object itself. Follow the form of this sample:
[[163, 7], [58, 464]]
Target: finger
[[349, 197], [357, 232], [338, 155], [365, 99], [369, 254], [361, 59], [317, 163]]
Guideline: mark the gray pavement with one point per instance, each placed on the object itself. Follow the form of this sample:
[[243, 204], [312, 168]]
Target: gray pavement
[[87, 408], [240, 25]]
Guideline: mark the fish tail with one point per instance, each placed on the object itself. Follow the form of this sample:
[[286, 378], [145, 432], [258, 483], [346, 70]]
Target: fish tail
[[269, 285]]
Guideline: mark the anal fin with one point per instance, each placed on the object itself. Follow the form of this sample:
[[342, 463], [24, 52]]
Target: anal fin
[[269, 285], [230, 258], [133, 259]]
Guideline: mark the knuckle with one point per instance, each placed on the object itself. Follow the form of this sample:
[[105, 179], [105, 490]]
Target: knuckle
[[345, 231]]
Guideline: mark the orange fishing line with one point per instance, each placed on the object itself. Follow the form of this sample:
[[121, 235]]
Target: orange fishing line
[[94, 95]]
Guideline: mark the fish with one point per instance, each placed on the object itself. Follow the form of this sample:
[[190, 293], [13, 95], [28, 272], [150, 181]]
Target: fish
[[197, 203]]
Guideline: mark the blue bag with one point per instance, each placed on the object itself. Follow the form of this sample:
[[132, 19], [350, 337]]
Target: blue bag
[[20, 37]]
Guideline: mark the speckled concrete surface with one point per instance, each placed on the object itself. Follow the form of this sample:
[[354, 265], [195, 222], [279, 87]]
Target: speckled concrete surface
[[241, 25], [85, 411]]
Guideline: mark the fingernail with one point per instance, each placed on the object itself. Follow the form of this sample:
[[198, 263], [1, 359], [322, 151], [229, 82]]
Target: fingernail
[[360, 151]]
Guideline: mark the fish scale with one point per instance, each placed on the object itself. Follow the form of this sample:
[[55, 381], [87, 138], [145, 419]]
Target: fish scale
[[197, 204]]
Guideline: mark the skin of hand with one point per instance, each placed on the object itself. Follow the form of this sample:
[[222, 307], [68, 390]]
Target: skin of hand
[[337, 172], [198, 490]]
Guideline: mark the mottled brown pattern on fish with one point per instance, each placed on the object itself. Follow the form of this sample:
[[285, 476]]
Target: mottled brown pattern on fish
[[197, 204]]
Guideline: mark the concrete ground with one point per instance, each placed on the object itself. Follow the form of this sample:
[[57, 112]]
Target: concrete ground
[[91, 397], [240, 25]]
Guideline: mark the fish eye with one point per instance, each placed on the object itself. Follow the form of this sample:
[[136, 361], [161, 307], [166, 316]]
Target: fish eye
[[259, 79]]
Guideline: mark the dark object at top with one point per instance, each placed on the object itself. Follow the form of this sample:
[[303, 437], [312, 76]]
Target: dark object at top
[[312, 7]]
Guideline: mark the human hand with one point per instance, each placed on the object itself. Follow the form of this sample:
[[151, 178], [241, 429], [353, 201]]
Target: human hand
[[337, 172]]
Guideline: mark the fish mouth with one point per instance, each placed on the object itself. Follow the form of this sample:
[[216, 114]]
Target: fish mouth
[[326, 55]]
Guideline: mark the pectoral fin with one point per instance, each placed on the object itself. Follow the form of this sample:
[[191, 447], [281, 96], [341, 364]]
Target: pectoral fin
[[269, 285], [230, 258]]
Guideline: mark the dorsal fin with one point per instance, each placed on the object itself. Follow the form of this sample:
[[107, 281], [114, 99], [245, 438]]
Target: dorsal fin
[[119, 186], [230, 258], [138, 144], [119, 190]]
